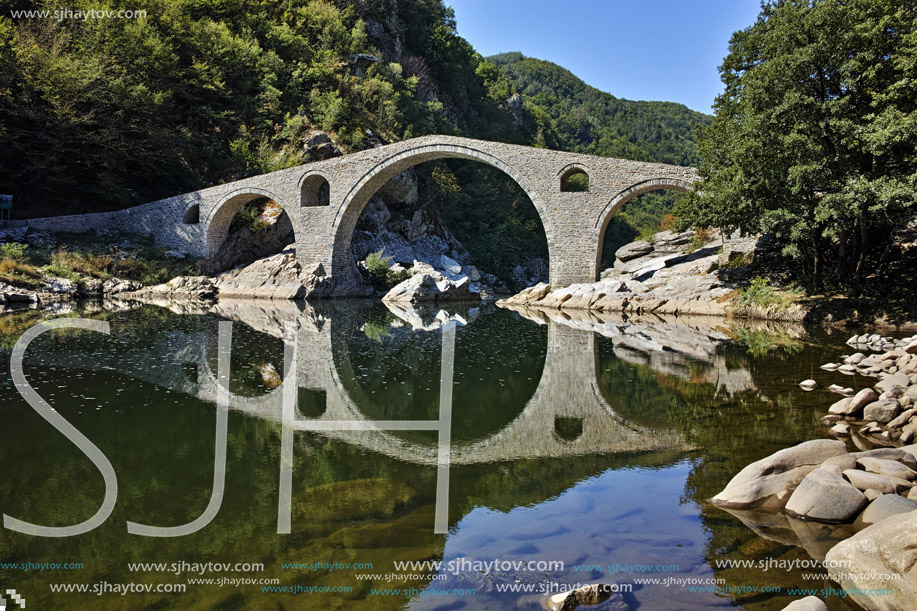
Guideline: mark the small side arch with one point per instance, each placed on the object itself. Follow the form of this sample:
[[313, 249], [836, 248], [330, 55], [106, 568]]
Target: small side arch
[[220, 216], [192, 215], [573, 177], [314, 189]]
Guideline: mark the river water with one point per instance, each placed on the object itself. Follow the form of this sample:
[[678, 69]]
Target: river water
[[581, 450]]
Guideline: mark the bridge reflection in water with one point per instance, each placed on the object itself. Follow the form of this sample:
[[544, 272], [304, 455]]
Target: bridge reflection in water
[[592, 415], [568, 395]]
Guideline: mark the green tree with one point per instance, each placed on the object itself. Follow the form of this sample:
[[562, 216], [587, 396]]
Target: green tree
[[814, 136]]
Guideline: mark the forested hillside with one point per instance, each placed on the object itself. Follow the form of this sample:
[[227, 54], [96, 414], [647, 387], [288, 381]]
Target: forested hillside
[[571, 115]]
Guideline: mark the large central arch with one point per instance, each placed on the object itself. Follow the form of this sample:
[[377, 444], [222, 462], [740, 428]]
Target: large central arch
[[350, 208]]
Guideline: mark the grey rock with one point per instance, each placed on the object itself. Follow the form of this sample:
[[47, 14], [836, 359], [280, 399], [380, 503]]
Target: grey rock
[[887, 467], [768, 483], [902, 418], [633, 250], [861, 400], [882, 411], [885, 484], [883, 556], [59, 286], [586, 596], [844, 461], [449, 265], [318, 146], [113, 286], [841, 407], [897, 379], [902, 455], [883, 507], [809, 603], [431, 287], [825, 497]]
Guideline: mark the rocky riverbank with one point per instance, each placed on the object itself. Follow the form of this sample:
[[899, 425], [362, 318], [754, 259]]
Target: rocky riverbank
[[854, 511], [866, 500], [887, 412], [687, 273]]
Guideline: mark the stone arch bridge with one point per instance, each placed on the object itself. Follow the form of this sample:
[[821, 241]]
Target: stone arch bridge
[[324, 199]]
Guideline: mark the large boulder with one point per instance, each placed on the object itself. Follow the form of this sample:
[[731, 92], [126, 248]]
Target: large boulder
[[768, 483], [896, 379], [449, 266], [884, 466], [825, 497], [317, 145], [432, 287], [882, 411], [881, 551], [885, 484], [400, 189], [633, 250]]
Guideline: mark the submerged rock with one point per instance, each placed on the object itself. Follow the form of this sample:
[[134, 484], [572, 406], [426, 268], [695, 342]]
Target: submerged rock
[[587, 596], [353, 499]]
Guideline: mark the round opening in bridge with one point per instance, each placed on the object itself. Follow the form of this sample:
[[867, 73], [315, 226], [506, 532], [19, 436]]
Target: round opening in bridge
[[463, 217], [574, 180], [246, 228], [193, 214], [568, 429], [637, 216], [315, 191]]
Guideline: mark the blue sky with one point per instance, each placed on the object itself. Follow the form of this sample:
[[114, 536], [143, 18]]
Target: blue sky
[[636, 49]]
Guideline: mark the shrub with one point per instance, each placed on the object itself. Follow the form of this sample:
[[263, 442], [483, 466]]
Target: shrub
[[13, 250], [377, 263], [737, 260], [379, 266], [701, 236], [759, 292]]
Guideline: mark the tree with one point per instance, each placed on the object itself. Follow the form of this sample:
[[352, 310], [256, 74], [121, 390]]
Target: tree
[[814, 136]]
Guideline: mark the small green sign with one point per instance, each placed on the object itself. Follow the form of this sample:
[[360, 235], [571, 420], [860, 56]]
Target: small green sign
[[6, 202]]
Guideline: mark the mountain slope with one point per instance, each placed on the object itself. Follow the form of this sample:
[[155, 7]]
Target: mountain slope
[[571, 115]]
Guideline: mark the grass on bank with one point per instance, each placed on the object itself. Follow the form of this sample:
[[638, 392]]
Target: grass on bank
[[761, 293], [82, 258]]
